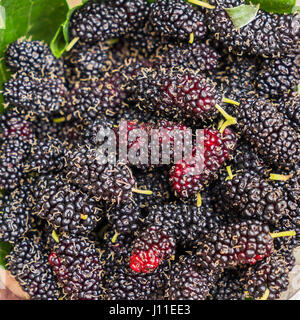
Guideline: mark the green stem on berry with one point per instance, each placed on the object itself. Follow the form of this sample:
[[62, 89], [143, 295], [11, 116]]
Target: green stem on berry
[[5, 105], [229, 119], [280, 177], [225, 125], [147, 192], [230, 101], [230, 174], [72, 44], [199, 200], [59, 120], [224, 113], [192, 37], [220, 124], [291, 233], [265, 296], [201, 4], [55, 236], [114, 238], [83, 216], [112, 41]]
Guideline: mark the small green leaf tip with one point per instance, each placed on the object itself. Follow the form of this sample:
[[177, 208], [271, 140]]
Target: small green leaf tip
[[275, 6], [5, 248], [2, 18], [296, 9], [242, 15], [61, 41], [58, 44], [55, 236]]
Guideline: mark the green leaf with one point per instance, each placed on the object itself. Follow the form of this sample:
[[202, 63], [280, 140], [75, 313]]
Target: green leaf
[[296, 9], [275, 6], [61, 41], [242, 15], [2, 18], [38, 19], [5, 248], [58, 43]]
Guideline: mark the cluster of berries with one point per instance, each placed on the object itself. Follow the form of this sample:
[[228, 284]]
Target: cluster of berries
[[83, 229]]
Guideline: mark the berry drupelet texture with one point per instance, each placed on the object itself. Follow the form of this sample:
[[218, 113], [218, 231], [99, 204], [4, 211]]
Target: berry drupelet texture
[[13, 152], [98, 208], [46, 155], [110, 182], [246, 160], [151, 248], [16, 134], [290, 189], [153, 145], [42, 96], [95, 133], [124, 217], [230, 285], [268, 34], [279, 75], [196, 56], [185, 222], [143, 41], [177, 19], [175, 92], [108, 20], [268, 131], [268, 276], [116, 248], [189, 178], [28, 263], [69, 133], [235, 244], [236, 78], [33, 56], [123, 284], [253, 197], [15, 214], [289, 105], [157, 182], [16, 123], [88, 62], [45, 183], [65, 208], [89, 100], [76, 263], [187, 281]]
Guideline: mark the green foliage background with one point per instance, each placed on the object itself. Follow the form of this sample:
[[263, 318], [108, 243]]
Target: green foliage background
[[4, 250], [38, 19]]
